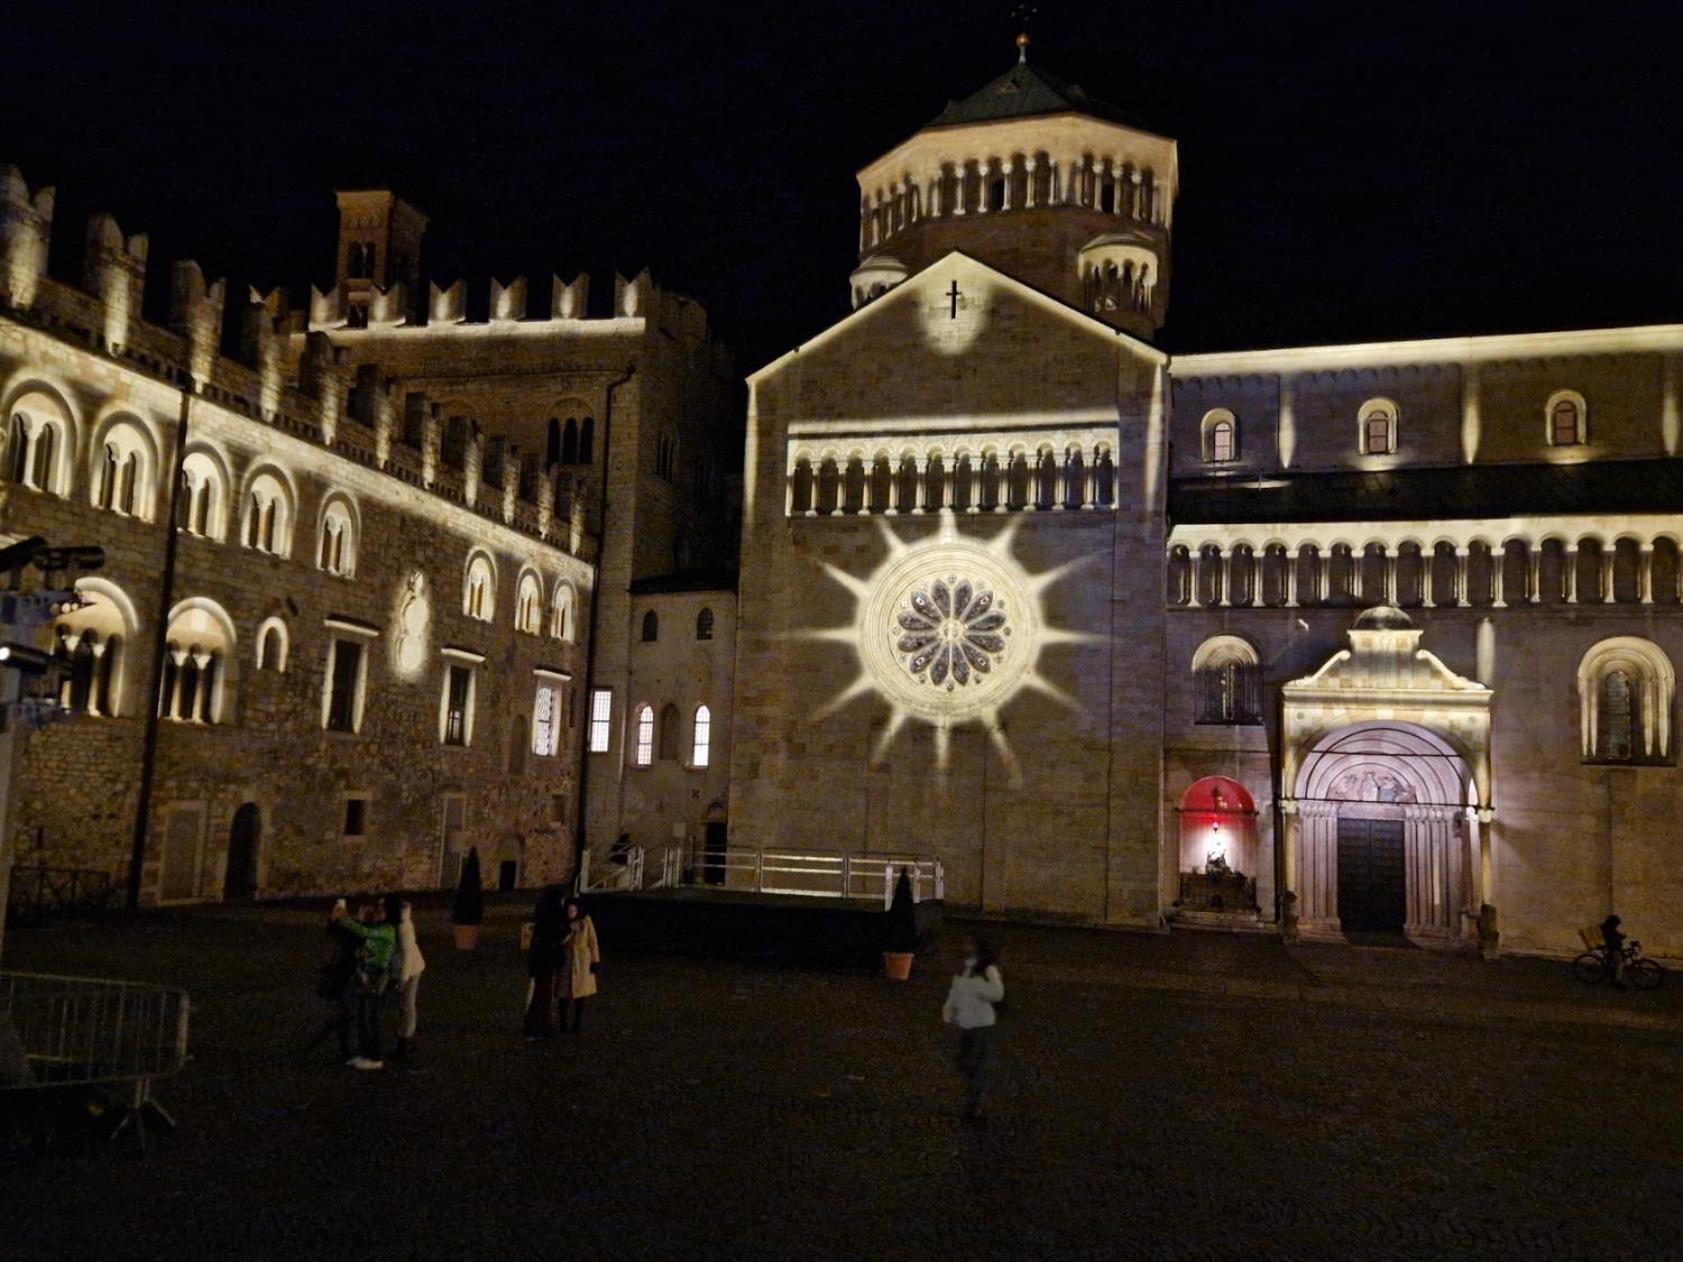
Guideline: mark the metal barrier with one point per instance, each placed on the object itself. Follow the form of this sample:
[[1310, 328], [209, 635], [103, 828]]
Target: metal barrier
[[84, 1031], [38, 893], [817, 873]]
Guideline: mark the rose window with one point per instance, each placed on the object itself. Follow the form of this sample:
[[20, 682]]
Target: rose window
[[951, 631]]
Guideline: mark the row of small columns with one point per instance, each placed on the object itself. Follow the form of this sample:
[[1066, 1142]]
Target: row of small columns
[[1073, 485], [1219, 573], [1135, 197]]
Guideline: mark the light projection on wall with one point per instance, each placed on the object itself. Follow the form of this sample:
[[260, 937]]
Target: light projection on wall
[[947, 631], [413, 623]]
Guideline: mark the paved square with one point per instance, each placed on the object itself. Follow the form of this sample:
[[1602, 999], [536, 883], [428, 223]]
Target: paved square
[[1176, 1097]]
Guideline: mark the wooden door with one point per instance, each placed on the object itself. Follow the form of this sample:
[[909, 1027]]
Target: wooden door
[[1372, 882]]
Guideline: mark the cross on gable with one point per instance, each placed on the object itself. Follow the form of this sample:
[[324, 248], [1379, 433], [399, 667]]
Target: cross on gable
[[954, 294]]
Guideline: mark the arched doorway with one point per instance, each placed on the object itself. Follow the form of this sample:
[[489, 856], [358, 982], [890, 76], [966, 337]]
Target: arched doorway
[[1382, 834], [239, 881]]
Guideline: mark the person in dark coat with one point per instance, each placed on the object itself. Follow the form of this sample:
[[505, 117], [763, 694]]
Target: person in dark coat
[[337, 985], [545, 964], [1614, 937]]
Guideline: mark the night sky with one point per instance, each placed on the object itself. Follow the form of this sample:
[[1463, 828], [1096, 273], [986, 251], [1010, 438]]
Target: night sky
[[1348, 171]]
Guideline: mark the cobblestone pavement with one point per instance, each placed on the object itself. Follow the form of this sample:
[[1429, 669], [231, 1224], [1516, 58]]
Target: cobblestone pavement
[[1157, 1097]]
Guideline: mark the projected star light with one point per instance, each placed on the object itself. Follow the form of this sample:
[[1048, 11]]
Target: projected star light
[[947, 632]]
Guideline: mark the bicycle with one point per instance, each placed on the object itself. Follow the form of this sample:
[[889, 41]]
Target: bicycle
[[1640, 972]]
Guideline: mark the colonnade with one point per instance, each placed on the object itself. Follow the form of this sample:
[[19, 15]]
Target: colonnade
[[986, 480], [994, 185], [1558, 569]]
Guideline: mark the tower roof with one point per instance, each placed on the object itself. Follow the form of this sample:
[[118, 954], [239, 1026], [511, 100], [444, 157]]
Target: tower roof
[[1023, 91]]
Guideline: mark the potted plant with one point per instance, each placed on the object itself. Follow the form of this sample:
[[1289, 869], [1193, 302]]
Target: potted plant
[[468, 911], [899, 942]]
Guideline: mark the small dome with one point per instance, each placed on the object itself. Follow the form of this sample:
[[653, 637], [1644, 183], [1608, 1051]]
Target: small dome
[[1383, 618]]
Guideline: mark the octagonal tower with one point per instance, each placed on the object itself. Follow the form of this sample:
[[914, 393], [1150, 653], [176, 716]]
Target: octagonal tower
[[1032, 176]]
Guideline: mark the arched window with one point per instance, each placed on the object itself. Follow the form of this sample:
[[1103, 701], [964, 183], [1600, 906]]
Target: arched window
[[1227, 678], [203, 503], [198, 659], [528, 605], [272, 646], [643, 747], [587, 440], [1626, 691], [338, 538], [93, 642], [704, 625], [268, 515], [123, 466], [552, 448], [353, 261], [570, 441], [701, 744], [1220, 437], [671, 733], [38, 443], [1378, 435], [561, 612], [651, 627], [479, 588], [1567, 419]]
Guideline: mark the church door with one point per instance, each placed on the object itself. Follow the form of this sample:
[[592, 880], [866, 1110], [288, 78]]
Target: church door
[[240, 881], [1372, 888]]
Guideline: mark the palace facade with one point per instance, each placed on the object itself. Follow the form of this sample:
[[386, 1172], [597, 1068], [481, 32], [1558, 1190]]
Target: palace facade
[[373, 541]]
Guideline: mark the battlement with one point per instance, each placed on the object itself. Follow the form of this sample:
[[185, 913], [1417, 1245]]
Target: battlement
[[368, 306], [363, 416]]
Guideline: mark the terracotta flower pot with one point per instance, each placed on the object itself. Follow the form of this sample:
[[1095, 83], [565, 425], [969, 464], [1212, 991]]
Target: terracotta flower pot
[[897, 965], [467, 937]]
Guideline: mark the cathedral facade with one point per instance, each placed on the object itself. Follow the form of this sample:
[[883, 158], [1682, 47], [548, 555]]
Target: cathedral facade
[[1336, 640]]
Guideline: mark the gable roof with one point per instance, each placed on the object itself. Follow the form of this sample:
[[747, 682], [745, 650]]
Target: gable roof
[[919, 279], [1022, 92]]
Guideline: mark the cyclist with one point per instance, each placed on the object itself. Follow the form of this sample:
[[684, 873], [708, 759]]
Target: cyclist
[[1615, 949]]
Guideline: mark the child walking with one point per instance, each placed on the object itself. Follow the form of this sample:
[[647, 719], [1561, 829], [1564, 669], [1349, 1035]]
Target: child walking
[[969, 1006]]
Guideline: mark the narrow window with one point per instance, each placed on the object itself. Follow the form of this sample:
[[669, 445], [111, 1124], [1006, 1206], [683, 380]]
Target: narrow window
[[458, 684], [356, 817], [701, 746], [1378, 433], [131, 475], [601, 718], [587, 435], [1222, 447], [347, 670], [651, 627], [1618, 717], [17, 449], [570, 442], [1564, 424], [108, 478], [544, 740], [44, 458], [645, 736], [704, 625]]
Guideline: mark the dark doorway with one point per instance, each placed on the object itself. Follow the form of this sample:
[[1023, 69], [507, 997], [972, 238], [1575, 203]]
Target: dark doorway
[[240, 881], [508, 874], [1372, 889], [713, 853]]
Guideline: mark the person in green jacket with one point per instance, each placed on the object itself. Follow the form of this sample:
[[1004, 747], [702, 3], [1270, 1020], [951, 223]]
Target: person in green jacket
[[376, 961]]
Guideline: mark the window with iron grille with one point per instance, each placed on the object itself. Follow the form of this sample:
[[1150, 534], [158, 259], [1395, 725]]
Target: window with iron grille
[[342, 708], [1230, 693], [458, 686]]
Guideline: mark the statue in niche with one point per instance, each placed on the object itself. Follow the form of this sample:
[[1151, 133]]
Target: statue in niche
[[413, 616]]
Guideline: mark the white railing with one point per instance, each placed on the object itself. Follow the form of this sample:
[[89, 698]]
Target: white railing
[[816, 873]]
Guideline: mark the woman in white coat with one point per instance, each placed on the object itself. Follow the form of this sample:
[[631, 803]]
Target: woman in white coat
[[969, 1006], [411, 967]]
